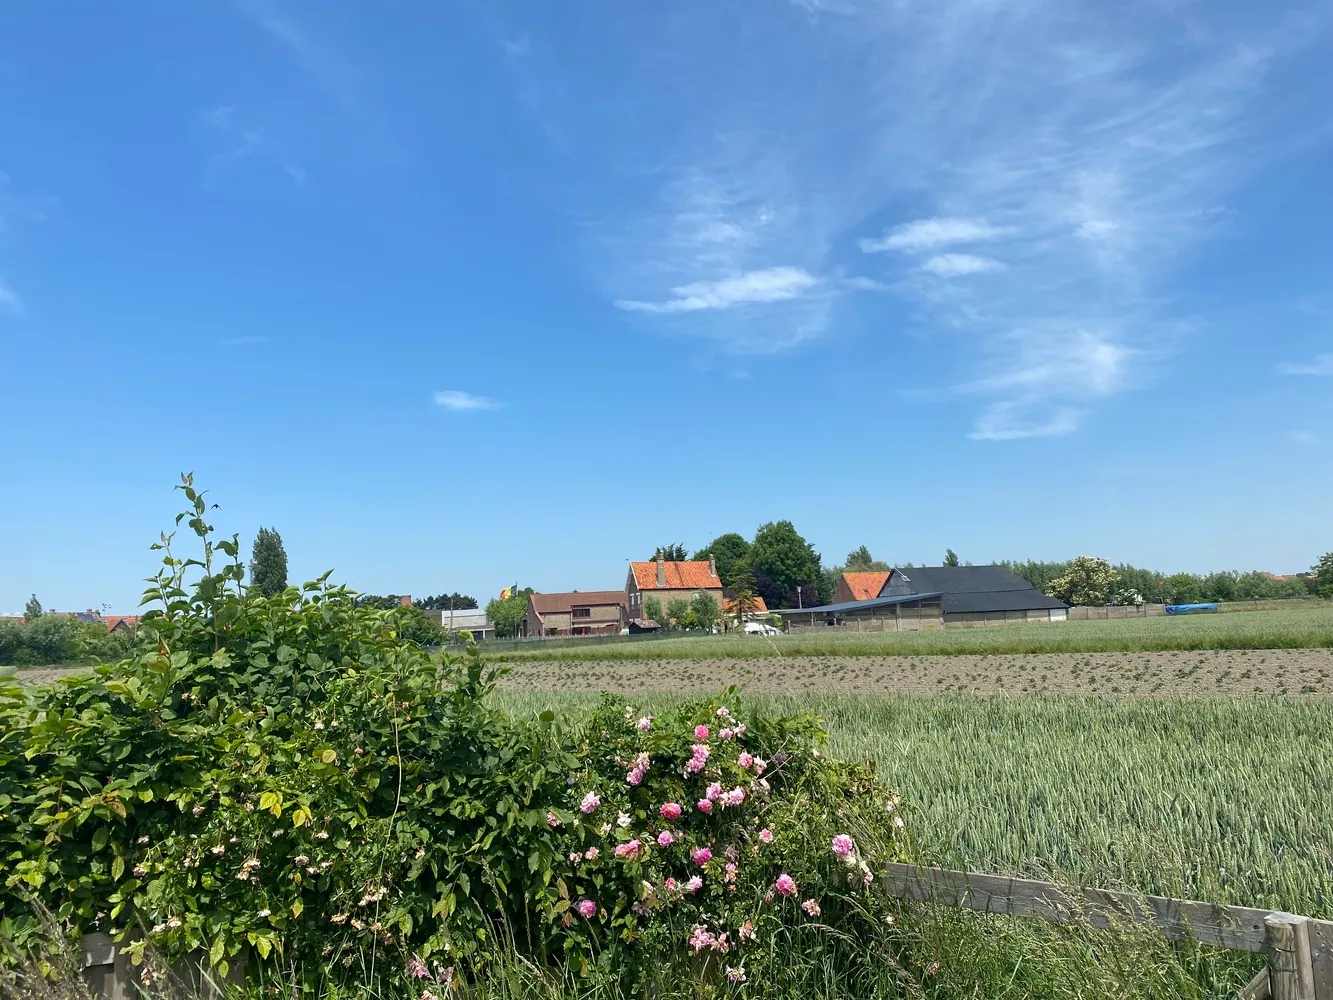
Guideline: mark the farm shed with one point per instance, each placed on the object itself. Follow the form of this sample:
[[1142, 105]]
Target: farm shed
[[899, 613], [977, 595]]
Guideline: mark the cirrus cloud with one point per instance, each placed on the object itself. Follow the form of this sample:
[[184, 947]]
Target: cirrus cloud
[[458, 401], [772, 284]]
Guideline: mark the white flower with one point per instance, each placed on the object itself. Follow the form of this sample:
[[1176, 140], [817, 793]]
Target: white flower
[[264, 913], [622, 820]]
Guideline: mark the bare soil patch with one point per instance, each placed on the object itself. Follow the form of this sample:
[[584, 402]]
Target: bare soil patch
[[1306, 673]]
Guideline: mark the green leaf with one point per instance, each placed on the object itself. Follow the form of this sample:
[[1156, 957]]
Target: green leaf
[[117, 868], [100, 838], [217, 951], [298, 908]]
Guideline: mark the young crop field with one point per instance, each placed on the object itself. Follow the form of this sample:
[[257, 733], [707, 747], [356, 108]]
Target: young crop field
[[1222, 800], [1299, 673], [1285, 629]]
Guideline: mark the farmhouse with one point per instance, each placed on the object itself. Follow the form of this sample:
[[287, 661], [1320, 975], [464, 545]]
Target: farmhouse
[[931, 597], [670, 581], [591, 612]]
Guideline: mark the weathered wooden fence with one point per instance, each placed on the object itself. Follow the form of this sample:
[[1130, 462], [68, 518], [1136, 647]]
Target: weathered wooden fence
[[1299, 949]]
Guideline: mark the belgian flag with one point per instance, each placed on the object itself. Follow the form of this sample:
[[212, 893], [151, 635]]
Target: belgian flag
[[508, 592]]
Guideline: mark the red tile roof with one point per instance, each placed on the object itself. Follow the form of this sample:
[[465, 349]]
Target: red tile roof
[[757, 605], [864, 586], [679, 576], [111, 621]]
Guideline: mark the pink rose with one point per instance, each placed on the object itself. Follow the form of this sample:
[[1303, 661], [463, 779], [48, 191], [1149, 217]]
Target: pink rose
[[785, 885], [629, 849], [714, 791], [587, 908], [590, 803], [842, 845], [766, 835], [704, 806], [701, 732], [745, 760], [669, 811], [694, 884], [666, 838], [701, 856], [727, 734], [669, 885]]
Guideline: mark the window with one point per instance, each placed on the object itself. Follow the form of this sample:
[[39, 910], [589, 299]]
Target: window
[[583, 612]]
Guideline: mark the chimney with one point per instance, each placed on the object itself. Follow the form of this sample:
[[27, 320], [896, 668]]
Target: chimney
[[661, 574], [405, 600], [712, 565]]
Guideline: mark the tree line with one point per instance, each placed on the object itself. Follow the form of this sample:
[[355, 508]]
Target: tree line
[[1089, 580]]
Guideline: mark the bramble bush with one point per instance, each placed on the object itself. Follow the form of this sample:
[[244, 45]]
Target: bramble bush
[[285, 780]]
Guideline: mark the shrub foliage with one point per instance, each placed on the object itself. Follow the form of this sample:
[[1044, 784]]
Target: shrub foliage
[[285, 779]]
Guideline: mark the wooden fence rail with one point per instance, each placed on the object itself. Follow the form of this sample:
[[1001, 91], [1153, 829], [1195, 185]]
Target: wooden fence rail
[[1299, 949]]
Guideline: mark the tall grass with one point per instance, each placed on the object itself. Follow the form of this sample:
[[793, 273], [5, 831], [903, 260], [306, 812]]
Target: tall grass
[[1256, 630]]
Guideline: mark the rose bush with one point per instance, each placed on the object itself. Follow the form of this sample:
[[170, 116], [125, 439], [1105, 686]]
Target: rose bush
[[285, 779]]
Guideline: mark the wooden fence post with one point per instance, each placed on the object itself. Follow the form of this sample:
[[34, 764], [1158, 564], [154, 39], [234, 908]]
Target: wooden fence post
[[1290, 971]]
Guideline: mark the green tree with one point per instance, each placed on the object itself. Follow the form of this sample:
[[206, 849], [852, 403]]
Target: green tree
[[678, 612], [670, 553], [1322, 572], [727, 550], [743, 603], [652, 610], [781, 561], [33, 609], [1218, 586], [1089, 580], [443, 602], [950, 557], [705, 609], [268, 563], [1182, 588], [507, 614], [861, 561]]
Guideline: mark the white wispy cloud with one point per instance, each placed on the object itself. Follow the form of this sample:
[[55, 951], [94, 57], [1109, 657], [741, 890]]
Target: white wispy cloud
[[9, 299], [1073, 156], [951, 265], [929, 234], [773, 284], [1322, 365], [1308, 438], [1013, 421], [459, 401], [242, 141]]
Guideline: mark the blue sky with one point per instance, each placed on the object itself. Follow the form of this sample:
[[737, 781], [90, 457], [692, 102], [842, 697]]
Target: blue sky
[[455, 295]]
